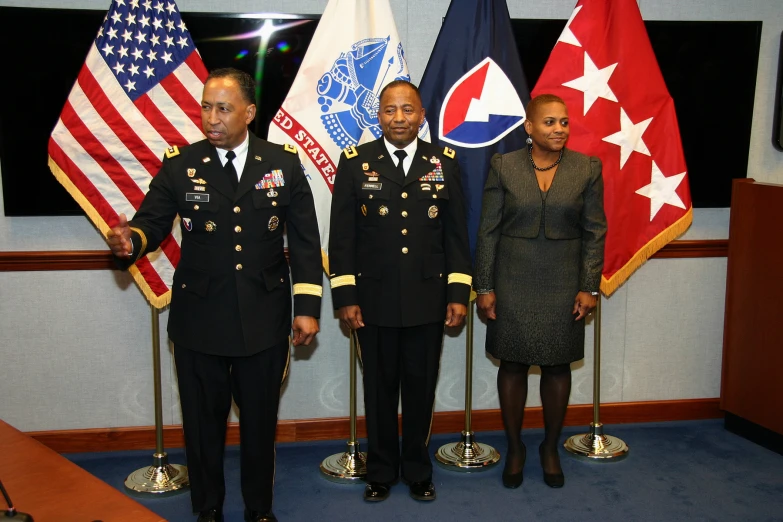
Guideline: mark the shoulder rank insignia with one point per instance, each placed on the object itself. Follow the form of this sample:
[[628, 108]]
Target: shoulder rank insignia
[[290, 148], [172, 151], [351, 152], [449, 153]]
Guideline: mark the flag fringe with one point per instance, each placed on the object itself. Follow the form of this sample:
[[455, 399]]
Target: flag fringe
[[158, 301], [608, 286]]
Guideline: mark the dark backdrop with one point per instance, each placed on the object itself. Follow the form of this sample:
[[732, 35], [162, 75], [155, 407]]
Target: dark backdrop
[[709, 68]]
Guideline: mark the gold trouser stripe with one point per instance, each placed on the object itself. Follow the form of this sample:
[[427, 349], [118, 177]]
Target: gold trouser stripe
[[432, 410], [282, 381], [358, 347], [343, 280], [460, 278], [287, 364], [308, 289], [143, 241]]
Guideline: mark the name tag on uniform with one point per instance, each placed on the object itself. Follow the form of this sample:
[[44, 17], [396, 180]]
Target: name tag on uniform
[[371, 186], [200, 198]]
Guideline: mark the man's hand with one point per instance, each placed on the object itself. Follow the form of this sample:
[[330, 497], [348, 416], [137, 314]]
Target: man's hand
[[584, 303], [486, 305], [455, 314], [118, 238], [351, 317], [305, 328]]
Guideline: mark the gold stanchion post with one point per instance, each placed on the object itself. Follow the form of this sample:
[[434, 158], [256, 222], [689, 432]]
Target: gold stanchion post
[[161, 477], [349, 467], [467, 455], [595, 445]]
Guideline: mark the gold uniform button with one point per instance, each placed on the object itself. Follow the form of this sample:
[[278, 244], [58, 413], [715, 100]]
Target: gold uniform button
[[184, 285], [404, 195], [404, 213], [239, 266], [404, 231], [434, 196], [274, 203], [195, 207], [370, 196], [238, 248], [237, 210], [404, 250], [282, 280], [237, 229]]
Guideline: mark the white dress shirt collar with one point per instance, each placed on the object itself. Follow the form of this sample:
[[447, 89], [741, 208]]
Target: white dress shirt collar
[[240, 151], [410, 150]]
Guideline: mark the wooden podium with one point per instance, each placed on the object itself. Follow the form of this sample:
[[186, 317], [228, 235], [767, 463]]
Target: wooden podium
[[752, 385]]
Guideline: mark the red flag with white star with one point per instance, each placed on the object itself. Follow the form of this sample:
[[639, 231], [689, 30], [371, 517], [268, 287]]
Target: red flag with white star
[[619, 109]]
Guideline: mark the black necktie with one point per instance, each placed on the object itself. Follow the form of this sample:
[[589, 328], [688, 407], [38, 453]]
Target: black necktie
[[401, 155], [231, 171]]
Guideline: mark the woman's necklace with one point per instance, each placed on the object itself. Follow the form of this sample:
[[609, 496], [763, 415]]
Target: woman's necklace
[[541, 169]]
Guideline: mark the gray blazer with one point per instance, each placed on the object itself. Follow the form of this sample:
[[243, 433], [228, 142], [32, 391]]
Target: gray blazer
[[512, 206]]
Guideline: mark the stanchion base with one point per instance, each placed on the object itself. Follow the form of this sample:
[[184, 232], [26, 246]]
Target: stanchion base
[[349, 467], [160, 479], [466, 455], [596, 446]]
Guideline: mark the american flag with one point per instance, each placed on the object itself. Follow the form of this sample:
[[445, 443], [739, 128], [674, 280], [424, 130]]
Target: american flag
[[138, 92]]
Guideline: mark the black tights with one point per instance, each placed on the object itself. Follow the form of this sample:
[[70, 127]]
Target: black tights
[[512, 392]]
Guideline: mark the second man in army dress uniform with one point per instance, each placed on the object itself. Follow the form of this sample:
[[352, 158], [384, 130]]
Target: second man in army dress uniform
[[400, 270]]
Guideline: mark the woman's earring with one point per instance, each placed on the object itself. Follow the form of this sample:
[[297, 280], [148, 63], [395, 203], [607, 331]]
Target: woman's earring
[[529, 140]]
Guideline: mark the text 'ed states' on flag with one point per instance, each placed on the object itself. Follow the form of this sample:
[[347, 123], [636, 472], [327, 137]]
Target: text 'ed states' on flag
[[475, 88], [620, 110], [333, 102], [137, 94]]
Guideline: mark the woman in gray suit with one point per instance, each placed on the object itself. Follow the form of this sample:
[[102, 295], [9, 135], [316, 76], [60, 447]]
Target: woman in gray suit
[[538, 269]]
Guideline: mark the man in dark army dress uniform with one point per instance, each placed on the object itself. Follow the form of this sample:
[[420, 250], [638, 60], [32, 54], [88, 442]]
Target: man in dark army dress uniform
[[400, 264], [230, 315]]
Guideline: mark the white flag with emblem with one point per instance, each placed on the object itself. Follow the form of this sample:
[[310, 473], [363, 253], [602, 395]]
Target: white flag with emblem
[[333, 102]]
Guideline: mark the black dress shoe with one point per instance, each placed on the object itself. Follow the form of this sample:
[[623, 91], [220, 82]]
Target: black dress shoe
[[553, 480], [376, 492], [210, 515], [423, 490], [258, 516], [514, 480]]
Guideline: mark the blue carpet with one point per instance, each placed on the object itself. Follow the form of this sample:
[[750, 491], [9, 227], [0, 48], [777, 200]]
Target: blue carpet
[[694, 471]]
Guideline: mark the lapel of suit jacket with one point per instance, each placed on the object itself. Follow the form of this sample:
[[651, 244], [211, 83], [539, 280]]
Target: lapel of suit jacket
[[381, 162], [256, 165], [213, 172], [561, 179]]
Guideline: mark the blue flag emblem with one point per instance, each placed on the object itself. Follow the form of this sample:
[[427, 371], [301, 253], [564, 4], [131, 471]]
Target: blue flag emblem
[[346, 93]]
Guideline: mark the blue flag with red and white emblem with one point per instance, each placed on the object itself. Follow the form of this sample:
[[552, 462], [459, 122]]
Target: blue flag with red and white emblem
[[474, 93]]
